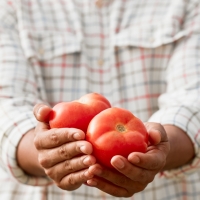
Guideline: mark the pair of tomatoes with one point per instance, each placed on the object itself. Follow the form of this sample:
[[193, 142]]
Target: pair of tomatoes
[[111, 130]]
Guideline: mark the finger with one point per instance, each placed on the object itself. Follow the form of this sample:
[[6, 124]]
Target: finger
[[46, 139], [41, 112], [154, 137], [112, 180], [152, 160], [109, 188], [51, 157], [135, 173], [73, 180], [41, 127], [157, 133], [70, 166]]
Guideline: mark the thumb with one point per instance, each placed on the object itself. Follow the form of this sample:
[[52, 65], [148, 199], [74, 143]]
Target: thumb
[[157, 133], [41, 112]]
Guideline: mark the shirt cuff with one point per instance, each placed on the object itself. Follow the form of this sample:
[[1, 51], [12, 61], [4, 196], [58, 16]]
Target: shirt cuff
[[9, 149], [188, 120]]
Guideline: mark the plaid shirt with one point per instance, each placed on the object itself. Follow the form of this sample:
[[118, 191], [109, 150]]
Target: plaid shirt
[[142, 55]]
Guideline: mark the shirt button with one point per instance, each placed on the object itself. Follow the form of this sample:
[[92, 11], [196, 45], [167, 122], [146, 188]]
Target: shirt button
[[151, 40], [100, 62], [41, 51], [99, 3]]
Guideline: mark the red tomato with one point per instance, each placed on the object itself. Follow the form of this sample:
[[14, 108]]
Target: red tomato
[[116, 131], [78, 113]]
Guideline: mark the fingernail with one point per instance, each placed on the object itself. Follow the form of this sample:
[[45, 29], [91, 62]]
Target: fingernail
[[92, 182], [87, 161], [136, 159], [88, 175], [83, 149], [119, 163], [38, 112], [77, 136]]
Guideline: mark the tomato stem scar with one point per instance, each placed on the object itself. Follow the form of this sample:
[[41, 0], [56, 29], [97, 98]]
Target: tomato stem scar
[[121, 128]]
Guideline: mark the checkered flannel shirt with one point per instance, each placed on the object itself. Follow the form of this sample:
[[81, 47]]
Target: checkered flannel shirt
[[142, 55]]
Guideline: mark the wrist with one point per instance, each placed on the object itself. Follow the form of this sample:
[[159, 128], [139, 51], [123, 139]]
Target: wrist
[[27, 155], [181, 148]]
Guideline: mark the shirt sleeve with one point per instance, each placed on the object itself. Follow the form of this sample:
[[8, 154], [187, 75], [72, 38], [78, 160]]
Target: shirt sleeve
[[180, 105], [18, 94]]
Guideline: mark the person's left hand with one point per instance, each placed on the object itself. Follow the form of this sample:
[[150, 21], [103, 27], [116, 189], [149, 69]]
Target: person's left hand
[[133, 174]]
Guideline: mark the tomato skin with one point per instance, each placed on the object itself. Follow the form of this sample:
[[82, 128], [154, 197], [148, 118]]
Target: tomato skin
[[78, 113], [116, 131]]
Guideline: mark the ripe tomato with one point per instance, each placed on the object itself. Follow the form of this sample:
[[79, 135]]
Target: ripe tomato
[[116, 131], [78, 113]]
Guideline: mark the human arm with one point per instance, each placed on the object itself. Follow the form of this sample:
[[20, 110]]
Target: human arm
[[19, 92], [26, 149], [16, 116], [180, 144], [136, 177]]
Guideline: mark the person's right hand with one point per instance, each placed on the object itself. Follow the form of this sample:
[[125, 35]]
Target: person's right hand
[[63, 152]]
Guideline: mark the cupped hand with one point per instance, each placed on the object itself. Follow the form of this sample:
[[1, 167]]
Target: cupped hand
[[133, 174], [63, 153]]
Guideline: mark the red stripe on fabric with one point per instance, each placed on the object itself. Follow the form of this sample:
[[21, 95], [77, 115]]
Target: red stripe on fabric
[[42, 64], [183, 170], [118, 64], [178, 18], [63, 65], [3, 96], [101, 55], [101, 35], [143, 58], [10, 3], [148, 96], [198, 133], [184, 189]]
